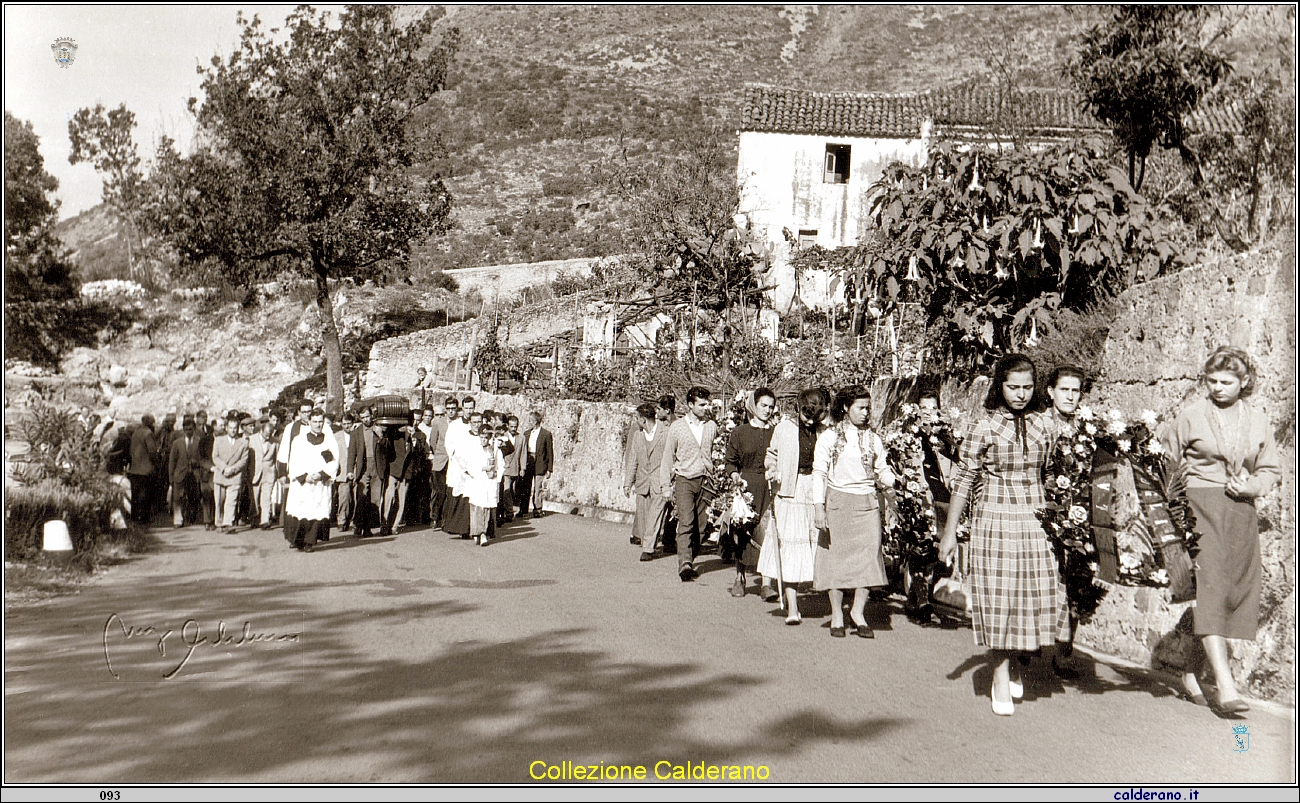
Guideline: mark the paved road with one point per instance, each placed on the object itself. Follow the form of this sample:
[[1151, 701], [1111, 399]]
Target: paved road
[[423, 658]]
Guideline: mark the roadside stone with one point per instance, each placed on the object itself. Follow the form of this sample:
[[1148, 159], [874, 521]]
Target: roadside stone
[[117, 375]]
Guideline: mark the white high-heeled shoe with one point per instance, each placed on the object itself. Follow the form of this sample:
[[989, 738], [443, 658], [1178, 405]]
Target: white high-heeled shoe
[[1002, 709]]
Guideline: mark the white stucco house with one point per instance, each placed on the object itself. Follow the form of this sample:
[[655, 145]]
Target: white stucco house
[[807, 160]]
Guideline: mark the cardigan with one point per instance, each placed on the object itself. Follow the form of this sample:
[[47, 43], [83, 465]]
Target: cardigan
[[846, 474], [684, 456], [1191, 438]]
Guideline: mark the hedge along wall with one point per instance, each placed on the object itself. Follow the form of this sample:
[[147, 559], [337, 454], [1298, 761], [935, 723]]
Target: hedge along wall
[[1153, 360]]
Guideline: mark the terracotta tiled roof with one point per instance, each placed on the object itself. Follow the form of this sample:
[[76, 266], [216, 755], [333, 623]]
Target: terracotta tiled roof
[[967, 106], [797, 111]]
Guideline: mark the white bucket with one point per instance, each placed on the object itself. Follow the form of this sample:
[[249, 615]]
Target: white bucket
[[57, 538]]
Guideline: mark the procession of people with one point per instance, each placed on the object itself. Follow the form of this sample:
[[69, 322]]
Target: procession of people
[[807, 500]]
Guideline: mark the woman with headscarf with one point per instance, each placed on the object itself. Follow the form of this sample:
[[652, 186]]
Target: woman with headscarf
[[313, 467], [789, 555], [746, 456]]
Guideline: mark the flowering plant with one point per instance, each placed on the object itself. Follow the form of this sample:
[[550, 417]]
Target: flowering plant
[[913, 536], [1066, 518], [1144, 549]]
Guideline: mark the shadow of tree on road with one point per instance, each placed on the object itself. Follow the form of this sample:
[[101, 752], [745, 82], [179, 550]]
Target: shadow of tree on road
[[359, 701]]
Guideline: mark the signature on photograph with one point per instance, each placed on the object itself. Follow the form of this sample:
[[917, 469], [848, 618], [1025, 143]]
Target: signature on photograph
[[188, 639]]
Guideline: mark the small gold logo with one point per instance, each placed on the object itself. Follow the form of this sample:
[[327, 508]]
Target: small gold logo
[[65, 51]]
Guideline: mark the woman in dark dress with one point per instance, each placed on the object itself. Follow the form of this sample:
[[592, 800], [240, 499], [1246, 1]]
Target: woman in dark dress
[[746, 453]]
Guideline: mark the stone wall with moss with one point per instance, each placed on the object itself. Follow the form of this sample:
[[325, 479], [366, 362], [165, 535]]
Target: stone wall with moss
[[1154, 357]]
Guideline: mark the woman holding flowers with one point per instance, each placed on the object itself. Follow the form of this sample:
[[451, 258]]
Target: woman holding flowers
[[744, 464], [1018, 604], [787, 553], [849, 461], [1227, 448], [1068, 489]]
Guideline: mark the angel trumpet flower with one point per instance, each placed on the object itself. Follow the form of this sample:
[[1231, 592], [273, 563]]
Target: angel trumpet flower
[[1032, 340], [1074, 226], [975, 185], [1038, 235], [913, 275]]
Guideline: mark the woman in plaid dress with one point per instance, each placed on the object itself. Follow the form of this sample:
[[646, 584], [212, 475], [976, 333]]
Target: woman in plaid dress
[[1018, 602]]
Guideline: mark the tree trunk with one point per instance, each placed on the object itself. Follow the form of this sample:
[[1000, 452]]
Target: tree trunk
[[1132, 168], [329, 338]]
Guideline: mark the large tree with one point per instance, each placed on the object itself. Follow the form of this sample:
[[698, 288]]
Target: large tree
[[304, 155], [1143, 70], [35, 269], [105, 139]]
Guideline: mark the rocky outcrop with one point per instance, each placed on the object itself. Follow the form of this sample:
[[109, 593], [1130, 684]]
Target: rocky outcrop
[[1153, 360]]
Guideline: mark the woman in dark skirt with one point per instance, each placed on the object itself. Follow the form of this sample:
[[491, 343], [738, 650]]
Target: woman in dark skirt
[[746, 453], [1231, 458]]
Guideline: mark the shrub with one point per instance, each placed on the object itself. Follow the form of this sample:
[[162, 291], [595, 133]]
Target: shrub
[[1075, 338], [443, 280], [88, 514]]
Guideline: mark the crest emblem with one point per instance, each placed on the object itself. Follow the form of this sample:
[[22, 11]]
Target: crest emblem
[[65, 51], [1240, 738]]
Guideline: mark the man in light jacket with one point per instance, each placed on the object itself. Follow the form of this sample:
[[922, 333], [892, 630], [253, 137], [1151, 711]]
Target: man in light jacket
[[229, 458], [642, 477], [687, 461], [263, 445]]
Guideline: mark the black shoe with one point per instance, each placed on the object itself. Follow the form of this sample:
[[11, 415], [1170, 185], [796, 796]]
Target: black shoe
[[634, 541], [687, 573], [670, 550], [839, 632], [647, 556], [1067, 672], [309, 548], [865, 631]]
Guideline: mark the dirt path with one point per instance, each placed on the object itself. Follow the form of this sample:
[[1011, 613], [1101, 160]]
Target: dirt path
[[421, 658]]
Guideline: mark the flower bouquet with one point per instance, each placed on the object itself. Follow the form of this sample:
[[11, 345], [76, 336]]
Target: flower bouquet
[[1066, 518], [729, 498], [1160, 548], [913, 536]]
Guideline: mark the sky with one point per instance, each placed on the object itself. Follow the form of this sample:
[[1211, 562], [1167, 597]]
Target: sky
[[143, 56]]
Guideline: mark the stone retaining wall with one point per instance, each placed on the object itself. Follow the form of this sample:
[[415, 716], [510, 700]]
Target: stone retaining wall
[[1154, 357]]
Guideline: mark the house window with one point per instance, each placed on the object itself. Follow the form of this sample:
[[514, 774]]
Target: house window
[[837, 164], [807, 238]]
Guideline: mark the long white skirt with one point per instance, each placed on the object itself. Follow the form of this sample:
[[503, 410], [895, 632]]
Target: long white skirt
[[793, 517]]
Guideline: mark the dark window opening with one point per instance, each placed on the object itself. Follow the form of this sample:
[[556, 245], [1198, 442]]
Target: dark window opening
[[837, 164], [807, 238]]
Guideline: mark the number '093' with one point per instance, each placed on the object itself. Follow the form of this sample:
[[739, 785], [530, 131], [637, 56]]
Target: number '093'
[[114, 795]]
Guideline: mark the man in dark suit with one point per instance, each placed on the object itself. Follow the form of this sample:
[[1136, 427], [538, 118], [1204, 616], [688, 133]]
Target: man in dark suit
[[538, 459], [186, 472], [367, 473], [144, 450]]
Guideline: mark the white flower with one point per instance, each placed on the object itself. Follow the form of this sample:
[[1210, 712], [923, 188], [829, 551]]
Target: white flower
[[1091, 429], [1125, 444], [913, 486], [1161, 577], [1150, 418], [1116, 426], [1078, 514], [1084, 412], [1129, 561], [1155, 448], [1062, 482], [1079, 448]]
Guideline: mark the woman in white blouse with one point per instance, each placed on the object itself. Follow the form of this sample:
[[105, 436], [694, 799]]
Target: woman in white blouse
[[848, 464]]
